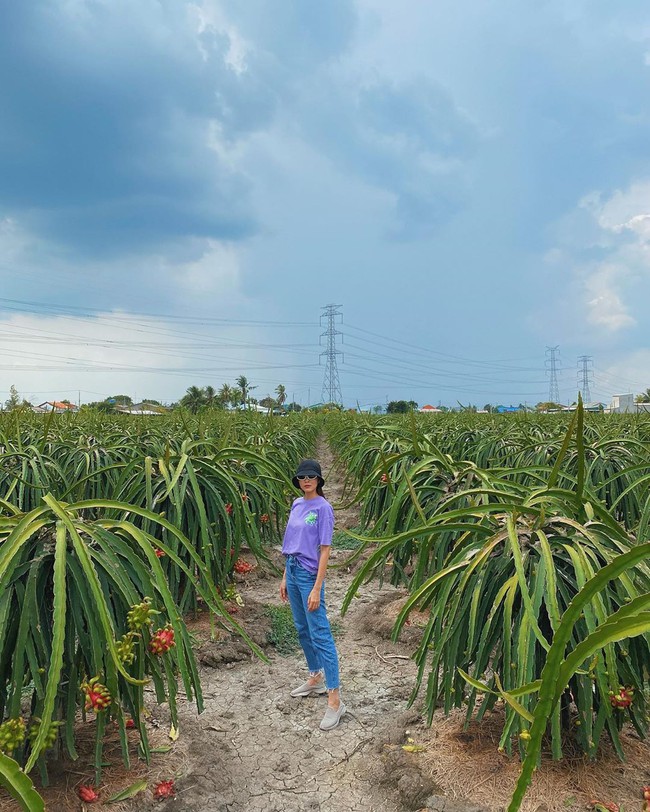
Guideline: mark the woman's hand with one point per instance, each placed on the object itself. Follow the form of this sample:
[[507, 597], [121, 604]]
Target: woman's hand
[[313, 601], [283, 588]]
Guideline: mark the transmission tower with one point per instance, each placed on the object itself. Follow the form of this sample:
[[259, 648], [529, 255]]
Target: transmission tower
[[585, 371], [551, 364], [331, 392]]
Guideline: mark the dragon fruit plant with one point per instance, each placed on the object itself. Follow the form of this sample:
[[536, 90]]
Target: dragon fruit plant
[[83, 594]]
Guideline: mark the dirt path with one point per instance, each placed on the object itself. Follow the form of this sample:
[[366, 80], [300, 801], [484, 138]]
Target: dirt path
[[255, 749]]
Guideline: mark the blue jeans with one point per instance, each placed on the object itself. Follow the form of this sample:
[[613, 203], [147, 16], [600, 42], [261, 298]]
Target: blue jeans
[[313, 628]]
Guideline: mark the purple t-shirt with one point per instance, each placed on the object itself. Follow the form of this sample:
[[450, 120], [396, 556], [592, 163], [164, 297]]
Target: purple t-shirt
[[310, 525]]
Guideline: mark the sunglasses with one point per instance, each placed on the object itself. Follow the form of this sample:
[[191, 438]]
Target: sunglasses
[[307, 476]]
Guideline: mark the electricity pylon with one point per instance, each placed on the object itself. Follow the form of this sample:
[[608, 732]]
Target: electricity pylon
[[331, 391], [551, 370]]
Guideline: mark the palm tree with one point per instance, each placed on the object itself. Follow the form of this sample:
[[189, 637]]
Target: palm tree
[[210, 395], [644, 397], [281, 392], [244, 388], [193, 399], [242, 383], [227, 395]]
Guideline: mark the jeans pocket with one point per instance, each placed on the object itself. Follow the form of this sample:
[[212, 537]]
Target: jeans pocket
[[305, 572]]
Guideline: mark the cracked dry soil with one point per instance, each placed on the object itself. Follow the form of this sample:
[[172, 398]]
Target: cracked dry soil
[[255, 749]]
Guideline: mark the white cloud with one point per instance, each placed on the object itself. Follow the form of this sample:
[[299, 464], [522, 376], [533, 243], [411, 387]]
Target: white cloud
[[625, 209], [58, 356], [49, 357], [59, 335], [216, 273], [640, 224], [199, 274], [212, 17], [615, 229], [604, 305]]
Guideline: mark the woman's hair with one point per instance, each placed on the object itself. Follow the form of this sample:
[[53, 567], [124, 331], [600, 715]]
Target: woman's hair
[[319, 490]]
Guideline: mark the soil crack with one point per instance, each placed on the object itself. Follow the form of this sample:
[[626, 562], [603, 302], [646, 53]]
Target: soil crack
[[255, 749]]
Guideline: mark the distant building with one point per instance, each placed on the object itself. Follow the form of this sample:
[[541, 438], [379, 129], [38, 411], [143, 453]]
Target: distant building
[[141, 409], [507, 409], [623, 404], [428, 409], [58, 407], [252, 407]]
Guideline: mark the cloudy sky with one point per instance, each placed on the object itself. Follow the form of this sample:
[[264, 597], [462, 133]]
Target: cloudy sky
[[184, 186]]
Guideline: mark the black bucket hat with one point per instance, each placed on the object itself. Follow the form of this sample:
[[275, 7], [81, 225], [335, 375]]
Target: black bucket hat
[[308, 468]]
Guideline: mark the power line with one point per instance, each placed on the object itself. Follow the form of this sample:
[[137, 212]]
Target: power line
[[443, 357], [54, 310], [416, 366], [395, 380], [156, 347], [618, 381]]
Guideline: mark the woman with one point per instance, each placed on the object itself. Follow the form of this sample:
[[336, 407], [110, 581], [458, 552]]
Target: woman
[[306, 546]]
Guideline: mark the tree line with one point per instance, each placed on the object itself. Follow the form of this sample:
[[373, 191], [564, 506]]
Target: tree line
[[195, 399], [239, 395]]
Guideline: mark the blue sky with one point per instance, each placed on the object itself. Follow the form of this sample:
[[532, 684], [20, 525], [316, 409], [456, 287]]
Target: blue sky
[[183, 187]]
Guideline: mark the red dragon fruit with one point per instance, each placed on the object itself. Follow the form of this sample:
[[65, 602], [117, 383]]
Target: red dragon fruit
[[242, 567], [165, 789], [88, 795], [622, 699], [162, 640], [98, 697]]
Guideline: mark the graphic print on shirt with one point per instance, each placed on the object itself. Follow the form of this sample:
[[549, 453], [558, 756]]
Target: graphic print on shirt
[[311, 518]]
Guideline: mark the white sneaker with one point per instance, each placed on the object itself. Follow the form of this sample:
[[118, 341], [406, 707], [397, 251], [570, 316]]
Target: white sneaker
[[307, 690], [332, 717]]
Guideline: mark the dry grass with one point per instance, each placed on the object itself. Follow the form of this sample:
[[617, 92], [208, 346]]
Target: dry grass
[[416, 618], [466, 765]]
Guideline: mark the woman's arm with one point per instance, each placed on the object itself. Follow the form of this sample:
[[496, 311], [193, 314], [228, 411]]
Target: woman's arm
[[283, 586], [313, 601]]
